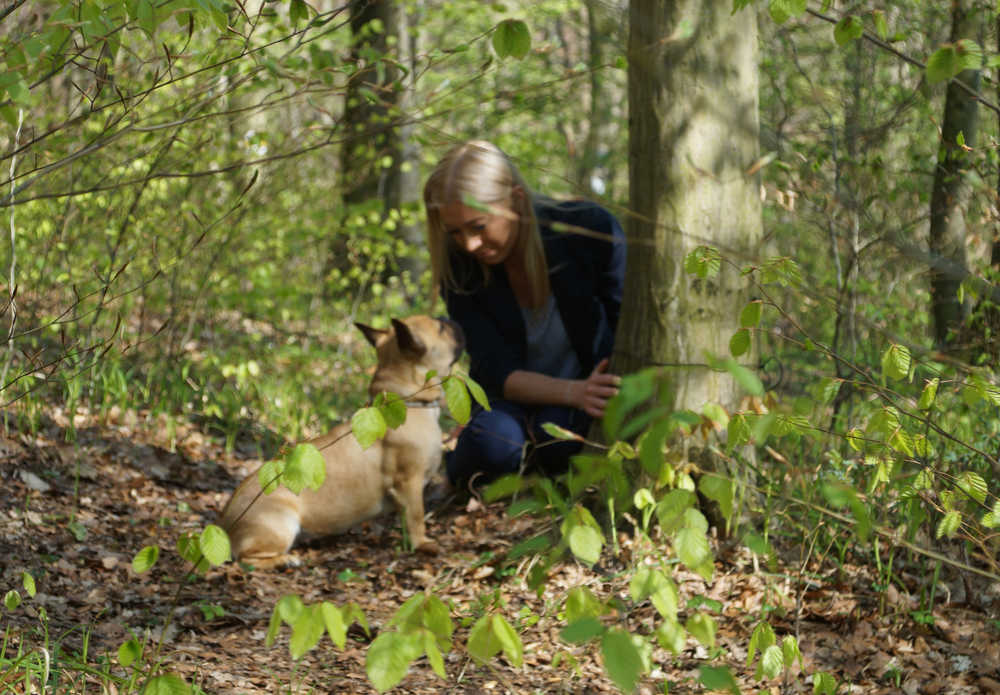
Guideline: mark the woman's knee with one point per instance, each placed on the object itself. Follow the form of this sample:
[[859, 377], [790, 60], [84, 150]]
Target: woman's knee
[[492, 443]]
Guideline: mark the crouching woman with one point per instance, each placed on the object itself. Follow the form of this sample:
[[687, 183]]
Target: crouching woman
[[536, 285]]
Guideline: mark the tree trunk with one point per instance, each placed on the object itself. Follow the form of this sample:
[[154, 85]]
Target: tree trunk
[[590, 169], [378, 143], [693, 126], [951, 193]]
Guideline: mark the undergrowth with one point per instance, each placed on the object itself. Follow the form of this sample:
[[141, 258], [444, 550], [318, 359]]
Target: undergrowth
[[888, 466]]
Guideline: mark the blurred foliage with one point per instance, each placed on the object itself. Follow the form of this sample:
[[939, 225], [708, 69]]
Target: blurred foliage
[[173, 202]]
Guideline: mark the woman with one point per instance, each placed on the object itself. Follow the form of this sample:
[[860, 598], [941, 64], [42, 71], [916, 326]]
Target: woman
[[536, 285]]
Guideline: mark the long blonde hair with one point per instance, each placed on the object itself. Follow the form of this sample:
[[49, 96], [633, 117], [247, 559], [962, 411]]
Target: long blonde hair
[[479, 173]]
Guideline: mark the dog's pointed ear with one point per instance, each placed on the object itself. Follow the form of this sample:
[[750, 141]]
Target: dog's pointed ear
[[406, 340], [371, 334]]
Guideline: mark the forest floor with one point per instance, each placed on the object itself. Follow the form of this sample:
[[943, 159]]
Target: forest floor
[[73, 515]]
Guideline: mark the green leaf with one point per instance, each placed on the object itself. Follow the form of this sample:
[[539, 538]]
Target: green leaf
[[635, 390], [692, 547], [512, 38], [720, 490], [483, 643], [622, 659], [408, 616], [881, 26], [581, 603], [783, 271], [557, 432], [437, 619], [333, 621], [703, 628], [671, 507], [970, 55], [146, 16], [738, 432], [762, 637], [352, 613], [368, 426], [671, 635], [298, 10], [943, 64], [783, 10], [166, 684], [433, 652], [586, 543], [973, 485], [848, 29], [790, 651], [643, 498], [393, 410], [188, 547], [478, 394], [289, 608], [658, 588], [510, 641], [128, 652], [757, 544], [824, 684], [718, 678], [928, 395], [504, 486], [772, 661], [949, 524], [11, 600], [456, 396], [703, 261], [896, 362], [269, 475], [144, 560], [582, 630], [992, 518], [747, 380], [750, 315], [214, 545], [307, 629], [390, 656], [28, 582], [739, 344], [305, 467]]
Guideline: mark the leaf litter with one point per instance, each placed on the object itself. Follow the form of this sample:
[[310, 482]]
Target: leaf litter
[[73, 514]]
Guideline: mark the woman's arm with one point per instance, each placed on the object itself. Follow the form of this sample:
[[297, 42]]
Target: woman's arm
[[590, 395]]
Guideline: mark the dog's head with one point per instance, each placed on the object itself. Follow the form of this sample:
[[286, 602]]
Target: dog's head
[[410, 349]]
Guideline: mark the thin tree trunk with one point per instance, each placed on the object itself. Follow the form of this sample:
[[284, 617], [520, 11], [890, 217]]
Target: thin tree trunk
[[377, 142], [951, 192]]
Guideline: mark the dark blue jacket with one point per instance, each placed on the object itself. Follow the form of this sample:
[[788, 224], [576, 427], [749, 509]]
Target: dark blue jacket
[[587, 276]]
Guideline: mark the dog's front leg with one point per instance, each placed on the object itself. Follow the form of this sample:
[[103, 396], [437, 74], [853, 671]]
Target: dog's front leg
[[407, 490]]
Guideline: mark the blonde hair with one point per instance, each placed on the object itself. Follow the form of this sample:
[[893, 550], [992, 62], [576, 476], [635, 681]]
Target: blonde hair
[[479, 173]]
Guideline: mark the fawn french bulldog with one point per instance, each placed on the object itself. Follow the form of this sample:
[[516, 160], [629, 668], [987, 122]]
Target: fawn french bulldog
[[359, 481]]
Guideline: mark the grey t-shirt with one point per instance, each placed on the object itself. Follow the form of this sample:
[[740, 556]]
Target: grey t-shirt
[[549, 349]]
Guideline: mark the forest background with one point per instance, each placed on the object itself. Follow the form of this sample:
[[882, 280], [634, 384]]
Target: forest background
[[202, 197]]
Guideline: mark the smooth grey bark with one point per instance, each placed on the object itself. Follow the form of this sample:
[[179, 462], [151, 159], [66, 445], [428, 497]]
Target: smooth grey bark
[[951, 192], [693, 133]]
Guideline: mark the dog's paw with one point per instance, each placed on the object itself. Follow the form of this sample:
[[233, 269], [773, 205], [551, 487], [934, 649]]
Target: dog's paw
[[428, 547]]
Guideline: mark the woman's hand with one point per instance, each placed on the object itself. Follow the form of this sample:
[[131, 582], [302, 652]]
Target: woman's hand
[[597, 389]]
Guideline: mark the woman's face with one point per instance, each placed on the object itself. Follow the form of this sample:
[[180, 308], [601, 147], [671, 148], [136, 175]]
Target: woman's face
[[488, 235]]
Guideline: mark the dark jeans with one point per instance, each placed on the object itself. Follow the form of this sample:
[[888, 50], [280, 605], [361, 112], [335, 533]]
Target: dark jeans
[[493, 442]]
